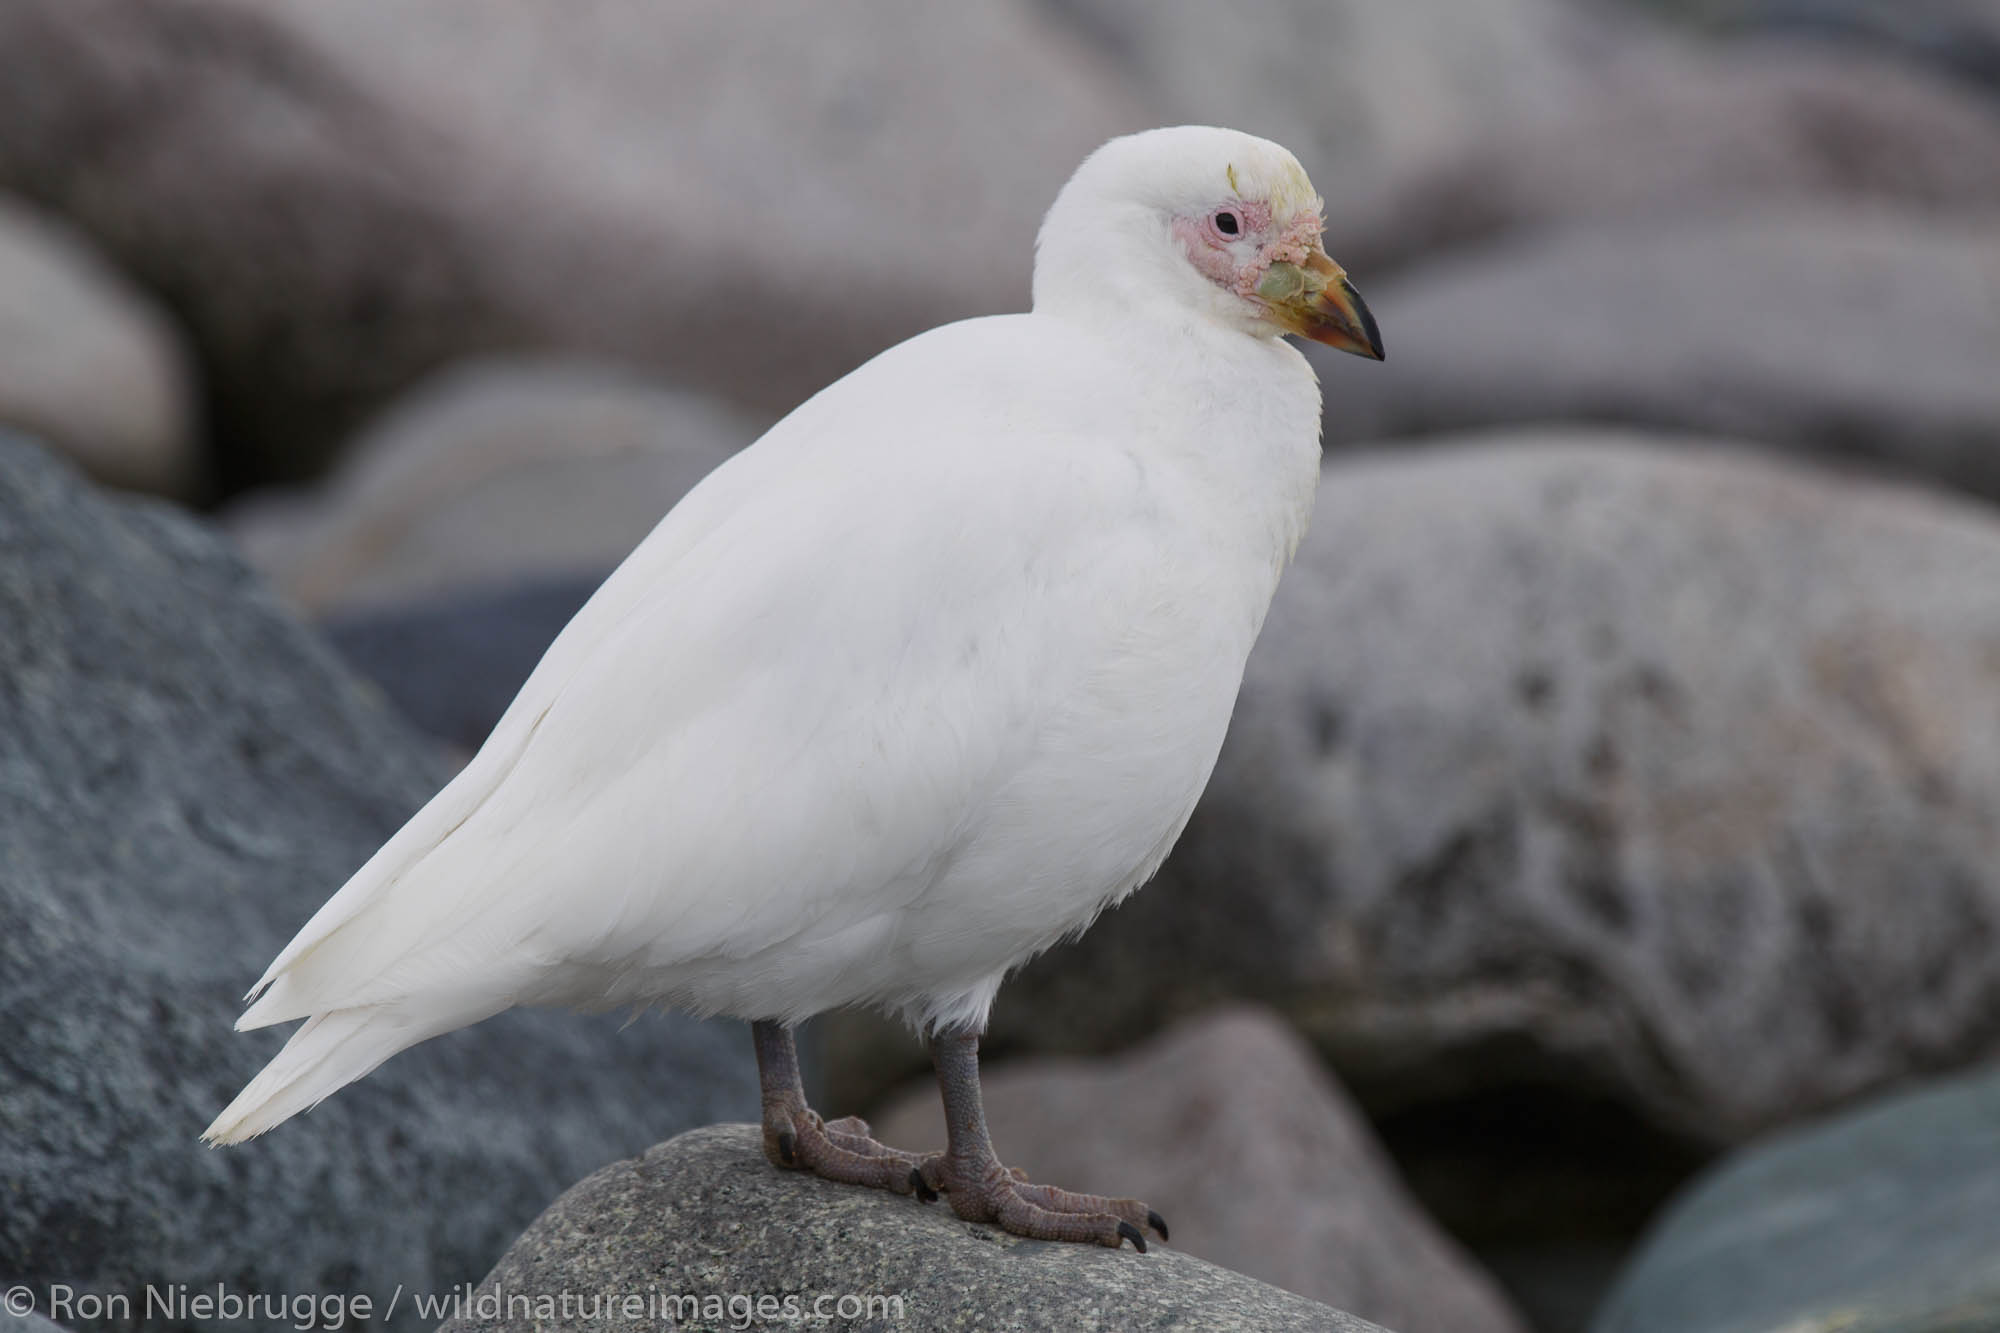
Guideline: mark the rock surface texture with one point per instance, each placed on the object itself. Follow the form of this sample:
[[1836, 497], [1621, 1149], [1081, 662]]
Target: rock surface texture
[[1883, 1220], [1642, 768], [185, 774], [705, 1216], [1232, 1130]]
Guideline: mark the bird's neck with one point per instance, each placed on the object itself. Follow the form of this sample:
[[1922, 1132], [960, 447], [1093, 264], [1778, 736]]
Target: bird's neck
[[1235, 415]]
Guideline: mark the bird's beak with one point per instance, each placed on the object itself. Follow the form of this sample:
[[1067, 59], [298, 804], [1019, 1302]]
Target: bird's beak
[[1315, 300]]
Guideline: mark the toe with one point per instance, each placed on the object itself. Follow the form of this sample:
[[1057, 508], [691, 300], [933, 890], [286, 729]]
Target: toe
[[1064, 1201]]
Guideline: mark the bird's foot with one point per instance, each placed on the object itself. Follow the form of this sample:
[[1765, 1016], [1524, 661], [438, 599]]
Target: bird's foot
[[842, 1150], [990, 1192]]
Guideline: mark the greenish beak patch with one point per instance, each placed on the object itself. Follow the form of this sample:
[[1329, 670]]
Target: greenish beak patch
[[1281, 282]]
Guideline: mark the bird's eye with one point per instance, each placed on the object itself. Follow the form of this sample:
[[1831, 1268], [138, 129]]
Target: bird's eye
[[1227, 223]]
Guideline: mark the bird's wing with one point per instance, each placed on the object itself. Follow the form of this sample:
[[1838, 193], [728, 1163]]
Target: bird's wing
[[781, 711]]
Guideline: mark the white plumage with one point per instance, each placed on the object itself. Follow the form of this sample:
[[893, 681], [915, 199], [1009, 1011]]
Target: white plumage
[[899, 696]]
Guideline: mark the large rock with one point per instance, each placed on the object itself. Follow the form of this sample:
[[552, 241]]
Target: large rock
[[88, 362], [705, 1217], [489, 474], [1962, 36], [1633, 768], [185, 774], [1867, 337], [1355, 89], [1697, 133], [755, 197], [1882, 1220], [1232, 1130], [452, 664], [26, 1323]]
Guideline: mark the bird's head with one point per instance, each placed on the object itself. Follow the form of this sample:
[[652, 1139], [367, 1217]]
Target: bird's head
[[1212, 222]]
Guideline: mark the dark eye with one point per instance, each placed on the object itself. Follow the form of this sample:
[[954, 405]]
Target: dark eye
[[1226, 222]]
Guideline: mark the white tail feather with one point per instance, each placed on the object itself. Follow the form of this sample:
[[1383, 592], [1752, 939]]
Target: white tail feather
[[332, 1050]]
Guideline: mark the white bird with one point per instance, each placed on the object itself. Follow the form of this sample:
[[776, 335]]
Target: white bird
[[898, 697]]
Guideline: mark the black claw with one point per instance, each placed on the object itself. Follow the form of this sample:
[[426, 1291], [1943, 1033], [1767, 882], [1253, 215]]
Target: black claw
[[1157, 1223], [924, 1193], [1131, 1233], [787, 1142]]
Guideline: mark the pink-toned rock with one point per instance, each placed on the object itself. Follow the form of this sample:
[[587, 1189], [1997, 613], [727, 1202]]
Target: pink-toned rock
[[1231, 1129]]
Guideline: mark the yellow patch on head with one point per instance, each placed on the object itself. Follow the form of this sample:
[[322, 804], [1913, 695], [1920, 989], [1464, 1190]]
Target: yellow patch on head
[[1283, 184]]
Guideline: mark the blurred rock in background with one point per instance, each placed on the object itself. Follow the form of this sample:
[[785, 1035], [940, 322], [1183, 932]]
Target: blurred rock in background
[[1674, 130], [488, 474], [1598, 800], [1858, 339], [1356, 90], [89, 362], [1884, 1219], [338, 198], [1955, 36], [452, 663]]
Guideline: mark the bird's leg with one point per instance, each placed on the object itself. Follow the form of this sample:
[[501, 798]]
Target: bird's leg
[[795, 1136], [982, 1190]]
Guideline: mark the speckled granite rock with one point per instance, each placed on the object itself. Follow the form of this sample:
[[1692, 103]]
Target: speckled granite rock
[[705, 1215]]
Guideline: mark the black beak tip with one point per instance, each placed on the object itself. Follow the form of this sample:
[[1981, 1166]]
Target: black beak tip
[[1368, 327]]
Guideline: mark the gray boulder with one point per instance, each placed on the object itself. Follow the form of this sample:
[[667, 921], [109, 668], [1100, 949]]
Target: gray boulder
[[1634, 768], [489, 474], [705, 1217], [452, 663], [88, 362], [185, 773], [1229, 1126], [1869, 338], [1883, 1220], [1699, 132], [1962, 36], [1357, 90], [338, 198], [11, 1322]]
